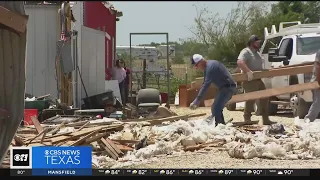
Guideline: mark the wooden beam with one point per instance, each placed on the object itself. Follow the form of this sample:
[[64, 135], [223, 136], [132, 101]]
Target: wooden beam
[[286, 71], [13, 20], [269, 93], [36, 124]]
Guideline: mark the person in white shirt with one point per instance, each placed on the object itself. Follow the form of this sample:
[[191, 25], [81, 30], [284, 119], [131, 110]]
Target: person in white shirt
[[119, 74]]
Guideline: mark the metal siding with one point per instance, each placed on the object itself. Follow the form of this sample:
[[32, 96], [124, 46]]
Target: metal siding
[[77, 11], [92, 66], [41, 49]]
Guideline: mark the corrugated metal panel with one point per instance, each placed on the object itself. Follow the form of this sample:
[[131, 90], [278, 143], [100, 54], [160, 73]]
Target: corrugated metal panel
[[93, 63], [12, 78], [42, 36]]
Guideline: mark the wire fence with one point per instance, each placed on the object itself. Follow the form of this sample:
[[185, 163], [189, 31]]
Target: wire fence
[[179, 74], [188, 74]]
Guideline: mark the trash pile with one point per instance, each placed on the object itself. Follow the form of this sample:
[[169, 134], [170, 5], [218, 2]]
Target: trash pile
[[122, 143], [245, 142]]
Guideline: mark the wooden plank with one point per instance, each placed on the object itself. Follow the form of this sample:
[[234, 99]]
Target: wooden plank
[[19, 140], [38, 135], [111, 152], [55, 130], [244, 123], [124, 148], [81, 133], [13, 20], [269, 93], [286, 71], [130, 141], [95, 138], [83, 139], [83, 126], [174, 118], [114, 146], [36, 124]]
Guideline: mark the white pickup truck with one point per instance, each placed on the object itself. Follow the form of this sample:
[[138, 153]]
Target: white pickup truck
[[289, 46]]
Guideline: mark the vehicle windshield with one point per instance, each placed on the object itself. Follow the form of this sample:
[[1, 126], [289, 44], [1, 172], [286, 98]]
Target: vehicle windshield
[[308, 45]]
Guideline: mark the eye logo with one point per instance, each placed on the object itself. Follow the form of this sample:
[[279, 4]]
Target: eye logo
[[20, 157]]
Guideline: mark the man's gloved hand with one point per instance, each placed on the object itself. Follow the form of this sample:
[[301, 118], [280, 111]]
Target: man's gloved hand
[[250, 75], [194, 105]]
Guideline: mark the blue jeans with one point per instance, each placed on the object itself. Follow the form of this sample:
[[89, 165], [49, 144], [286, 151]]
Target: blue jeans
[[222, 97]]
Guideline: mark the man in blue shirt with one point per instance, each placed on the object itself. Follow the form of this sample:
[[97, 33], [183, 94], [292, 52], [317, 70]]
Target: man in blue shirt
[[214, 72]]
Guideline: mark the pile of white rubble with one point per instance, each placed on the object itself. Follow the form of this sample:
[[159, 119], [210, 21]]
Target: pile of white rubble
[[170, 138]]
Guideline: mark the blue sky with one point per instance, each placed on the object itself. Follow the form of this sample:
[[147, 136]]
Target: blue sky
[[161, 16]]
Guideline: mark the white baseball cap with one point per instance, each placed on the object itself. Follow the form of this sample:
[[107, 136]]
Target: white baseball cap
[[196, 58]]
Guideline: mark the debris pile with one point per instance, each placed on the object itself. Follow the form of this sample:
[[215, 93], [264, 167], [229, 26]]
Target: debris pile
[[245, 142], [120, 143]]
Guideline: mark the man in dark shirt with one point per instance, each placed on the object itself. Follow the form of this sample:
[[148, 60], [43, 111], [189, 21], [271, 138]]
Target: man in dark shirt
[[216, 73]]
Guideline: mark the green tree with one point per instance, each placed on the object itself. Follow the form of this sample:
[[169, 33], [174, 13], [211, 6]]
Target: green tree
[[178, 59]]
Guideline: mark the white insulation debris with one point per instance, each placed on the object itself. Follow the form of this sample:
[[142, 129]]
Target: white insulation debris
[[301, 143]]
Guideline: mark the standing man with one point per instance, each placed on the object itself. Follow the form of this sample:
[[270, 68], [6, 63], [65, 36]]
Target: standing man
[[250, 60], [214, 72], [315, 107], [127, 84]]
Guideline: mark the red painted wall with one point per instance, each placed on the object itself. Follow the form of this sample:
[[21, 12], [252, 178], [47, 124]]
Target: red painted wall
[[96, 15]]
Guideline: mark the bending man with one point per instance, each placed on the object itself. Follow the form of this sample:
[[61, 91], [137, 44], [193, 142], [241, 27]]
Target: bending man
[[216, 73], [250, 60]]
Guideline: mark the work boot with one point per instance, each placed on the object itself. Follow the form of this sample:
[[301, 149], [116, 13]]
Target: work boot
[[266, 121]]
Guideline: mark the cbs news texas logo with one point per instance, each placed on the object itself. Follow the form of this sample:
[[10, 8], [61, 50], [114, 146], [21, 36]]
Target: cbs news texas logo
[[50, 157]]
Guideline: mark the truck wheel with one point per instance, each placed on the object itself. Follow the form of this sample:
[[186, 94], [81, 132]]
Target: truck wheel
[[232, 107], [273, 108], [299, 106]]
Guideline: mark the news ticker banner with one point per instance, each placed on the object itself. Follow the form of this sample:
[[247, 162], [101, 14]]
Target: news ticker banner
[[177, 172], [51, 160], [77, 161]]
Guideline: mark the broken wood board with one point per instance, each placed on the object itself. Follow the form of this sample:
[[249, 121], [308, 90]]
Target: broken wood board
[[124, 148], [251, 128], [56, 129], [268, 93], [130, 141], [13, 20], [83, 139], [40, 144], [200, 146], [244, 123], [110, 151], [36, 124], [95, 138], [19, 140], [285, 71], [83, 132], [83, 126], [38, 135], [157, 120], [114, 146]]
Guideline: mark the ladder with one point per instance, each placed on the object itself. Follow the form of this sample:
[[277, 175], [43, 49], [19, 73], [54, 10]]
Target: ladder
[[291, 30]]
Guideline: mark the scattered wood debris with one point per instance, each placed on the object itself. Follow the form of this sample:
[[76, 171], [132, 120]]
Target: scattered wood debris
[[84, 131]]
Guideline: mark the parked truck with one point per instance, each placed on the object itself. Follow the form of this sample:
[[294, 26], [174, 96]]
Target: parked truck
[[289, 46]]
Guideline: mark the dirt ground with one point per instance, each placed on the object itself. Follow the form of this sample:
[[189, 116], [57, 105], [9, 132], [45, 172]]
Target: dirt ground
[[220, 159]]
